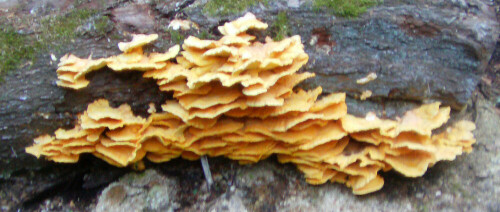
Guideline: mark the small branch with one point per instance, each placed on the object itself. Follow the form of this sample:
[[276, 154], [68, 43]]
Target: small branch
[[206, 171], [13, 151]]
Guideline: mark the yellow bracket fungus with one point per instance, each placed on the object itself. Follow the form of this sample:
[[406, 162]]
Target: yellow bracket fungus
[[235, 97]]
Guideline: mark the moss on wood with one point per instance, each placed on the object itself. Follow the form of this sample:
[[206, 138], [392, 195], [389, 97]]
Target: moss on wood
[[345, 8]]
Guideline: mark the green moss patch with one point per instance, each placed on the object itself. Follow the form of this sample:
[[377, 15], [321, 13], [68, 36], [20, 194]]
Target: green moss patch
[[229, 7], [61, 29], [280, 28], [205, 35], [52, 33], [102, 25], [176, 36], [15, 48], [345, 8]]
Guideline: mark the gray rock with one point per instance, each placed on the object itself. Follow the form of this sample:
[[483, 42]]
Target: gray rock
[[254, 176], [229, 202], [139, 192], [331, 198]]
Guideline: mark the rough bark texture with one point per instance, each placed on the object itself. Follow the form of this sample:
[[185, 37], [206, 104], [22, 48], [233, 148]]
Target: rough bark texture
[[419, 53], [420, 50]]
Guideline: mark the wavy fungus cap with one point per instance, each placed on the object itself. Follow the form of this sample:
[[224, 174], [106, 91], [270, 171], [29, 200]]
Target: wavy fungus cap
[[236, 97], [138, 40]]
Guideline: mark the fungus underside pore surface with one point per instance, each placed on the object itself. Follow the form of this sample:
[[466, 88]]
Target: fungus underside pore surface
[[236, 97]]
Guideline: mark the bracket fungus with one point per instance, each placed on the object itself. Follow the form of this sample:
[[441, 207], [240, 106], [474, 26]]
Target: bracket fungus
[[235, 97]]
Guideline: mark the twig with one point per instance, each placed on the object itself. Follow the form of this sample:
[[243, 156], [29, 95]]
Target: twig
[[206, 171], [13, 151]]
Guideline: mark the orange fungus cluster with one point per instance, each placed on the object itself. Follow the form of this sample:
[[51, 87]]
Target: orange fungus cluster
[[235, 97]]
